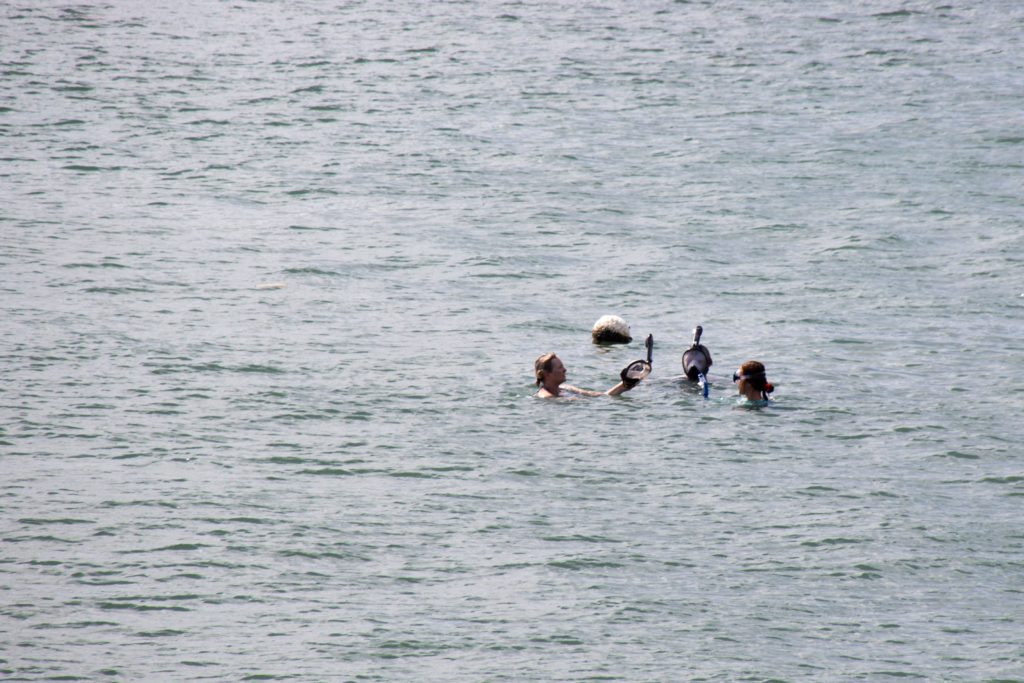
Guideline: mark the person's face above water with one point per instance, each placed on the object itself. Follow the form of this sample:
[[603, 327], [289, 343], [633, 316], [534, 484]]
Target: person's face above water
[[742, 385], [556, 374]]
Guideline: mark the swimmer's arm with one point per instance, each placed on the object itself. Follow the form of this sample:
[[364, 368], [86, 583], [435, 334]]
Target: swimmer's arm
[[582, 392], [620, 388]]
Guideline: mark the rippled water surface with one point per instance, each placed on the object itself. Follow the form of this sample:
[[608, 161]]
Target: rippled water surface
[[273, 276]]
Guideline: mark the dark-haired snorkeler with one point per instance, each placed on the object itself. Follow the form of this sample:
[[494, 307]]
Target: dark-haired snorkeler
[[550, 374], [752, 382]]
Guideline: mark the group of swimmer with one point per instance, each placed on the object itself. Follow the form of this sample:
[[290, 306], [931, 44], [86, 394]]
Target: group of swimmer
[[750, 378]]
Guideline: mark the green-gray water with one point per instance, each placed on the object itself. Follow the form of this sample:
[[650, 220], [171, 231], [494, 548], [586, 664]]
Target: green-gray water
[[345, 477]]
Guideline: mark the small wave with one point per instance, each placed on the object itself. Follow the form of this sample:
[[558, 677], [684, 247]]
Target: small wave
[[259, 369], [47, 539], [173, 548], [897, 674], [104, 582], [525, 473], [559, 639], [294, 417], [895, 14], [139, 607], [104, 264], [331, 472], [960, 455], [170, 369], [831, 542], [85, 168], [285, 459], [1002, 480], [817, 490], [117, 290], [584, 563], [40, 521], [91, 623], [311, 271], [72, 87], [412, 475], [311, 191], [577, 538], [143, 503], [163, 633]]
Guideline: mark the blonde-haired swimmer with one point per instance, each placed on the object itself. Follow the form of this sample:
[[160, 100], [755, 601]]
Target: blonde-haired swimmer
[[752, 381], [549, 372]]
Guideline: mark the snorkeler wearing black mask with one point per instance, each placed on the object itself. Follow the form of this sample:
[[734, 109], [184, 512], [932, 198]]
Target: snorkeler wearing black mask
[[752, 381]]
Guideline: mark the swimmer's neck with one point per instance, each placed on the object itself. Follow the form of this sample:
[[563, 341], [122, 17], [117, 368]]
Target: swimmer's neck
[[751, 394], [549, 392]]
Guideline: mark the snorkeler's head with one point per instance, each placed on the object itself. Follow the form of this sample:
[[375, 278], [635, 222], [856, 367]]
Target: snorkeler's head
[[696, 361], [754, 374], [697, 358], [546, 364]]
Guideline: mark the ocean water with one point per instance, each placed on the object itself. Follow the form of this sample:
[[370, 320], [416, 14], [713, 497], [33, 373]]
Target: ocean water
[[273, 276]]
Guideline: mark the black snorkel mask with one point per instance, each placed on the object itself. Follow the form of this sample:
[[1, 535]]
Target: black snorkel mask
[[697, 358], [697, 361], [639, 369]]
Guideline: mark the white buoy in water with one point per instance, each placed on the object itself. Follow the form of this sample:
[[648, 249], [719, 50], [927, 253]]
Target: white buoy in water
[[611, 329], [270, 285]]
